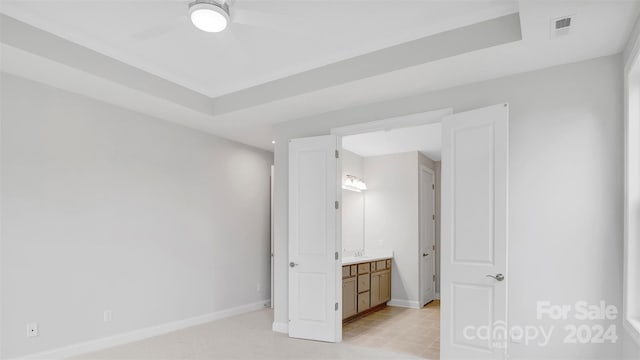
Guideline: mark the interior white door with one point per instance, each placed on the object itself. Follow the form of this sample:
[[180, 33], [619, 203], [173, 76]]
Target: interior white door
[[314, 268], [475, 147], [427, 235]]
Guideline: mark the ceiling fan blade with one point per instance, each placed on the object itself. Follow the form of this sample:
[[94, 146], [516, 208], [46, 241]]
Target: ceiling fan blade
[[267, 19], [160, 29], [231, 41]]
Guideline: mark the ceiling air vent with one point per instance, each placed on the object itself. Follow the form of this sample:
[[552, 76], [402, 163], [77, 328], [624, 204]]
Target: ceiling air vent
[[561, 26], [563, 23]]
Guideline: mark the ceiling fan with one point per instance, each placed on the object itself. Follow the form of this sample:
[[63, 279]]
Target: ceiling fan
[[217, 15]]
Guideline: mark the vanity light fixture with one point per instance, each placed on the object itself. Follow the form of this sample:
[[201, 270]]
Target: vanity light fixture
[[354, 183]]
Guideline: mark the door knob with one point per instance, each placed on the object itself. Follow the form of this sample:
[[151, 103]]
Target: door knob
[[292, 264], [425, 254], [498, 277]]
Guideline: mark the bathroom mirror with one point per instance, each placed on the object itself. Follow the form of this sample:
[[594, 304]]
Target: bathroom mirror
[[352, 222]]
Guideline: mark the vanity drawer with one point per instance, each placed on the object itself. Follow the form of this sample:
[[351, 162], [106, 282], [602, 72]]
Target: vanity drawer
[[364, 268], [354, 270], [346, 271], [389, 264], [363, 301], [381, 265], [364, 282]]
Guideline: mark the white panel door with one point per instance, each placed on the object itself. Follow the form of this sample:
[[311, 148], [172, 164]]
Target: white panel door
[[474, 233], [314, 270], [427, 235]]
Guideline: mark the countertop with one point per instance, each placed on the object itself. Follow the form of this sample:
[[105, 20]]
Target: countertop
[[366, 258]]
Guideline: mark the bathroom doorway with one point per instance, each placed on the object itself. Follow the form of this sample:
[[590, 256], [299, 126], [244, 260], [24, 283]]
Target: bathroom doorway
[[390, 183]]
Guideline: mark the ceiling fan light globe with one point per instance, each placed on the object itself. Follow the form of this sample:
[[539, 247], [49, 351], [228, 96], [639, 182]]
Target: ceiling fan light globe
[[208, 17]]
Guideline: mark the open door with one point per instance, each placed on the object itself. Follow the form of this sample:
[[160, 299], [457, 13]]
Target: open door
[[474, 234], [427, 235], [314, 236]]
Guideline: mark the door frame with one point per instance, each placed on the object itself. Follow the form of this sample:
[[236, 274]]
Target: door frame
[[421, 218], [417, 119]]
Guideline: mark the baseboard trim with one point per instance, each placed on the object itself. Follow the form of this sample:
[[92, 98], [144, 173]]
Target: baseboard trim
[[404, 303], [280, 327], [141, 334]]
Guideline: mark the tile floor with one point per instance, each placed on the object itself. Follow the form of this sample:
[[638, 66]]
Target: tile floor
[[413, 332]]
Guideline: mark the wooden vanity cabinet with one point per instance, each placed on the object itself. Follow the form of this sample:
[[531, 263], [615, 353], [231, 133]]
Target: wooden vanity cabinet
[[364, 286]]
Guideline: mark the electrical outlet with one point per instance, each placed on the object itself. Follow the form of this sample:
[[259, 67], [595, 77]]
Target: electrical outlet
[[32, 329], [108, 315]]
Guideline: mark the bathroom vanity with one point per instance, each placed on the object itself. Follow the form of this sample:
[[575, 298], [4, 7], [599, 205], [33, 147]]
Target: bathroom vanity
[[366, 284]]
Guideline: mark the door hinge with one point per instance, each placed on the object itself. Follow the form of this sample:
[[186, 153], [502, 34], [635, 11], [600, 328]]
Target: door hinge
[[433, 186], [434, 216], [337, 205], [336, 255], [434, 278], [337, 154], [433, 247], [336, 306]]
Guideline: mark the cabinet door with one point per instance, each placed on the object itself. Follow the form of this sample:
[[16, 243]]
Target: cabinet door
[[385, 286], [363, 283], [363, 301], [349, 298], [375, 289]]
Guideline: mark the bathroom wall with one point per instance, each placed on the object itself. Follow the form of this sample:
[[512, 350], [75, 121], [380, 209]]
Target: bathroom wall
[[391, 219]]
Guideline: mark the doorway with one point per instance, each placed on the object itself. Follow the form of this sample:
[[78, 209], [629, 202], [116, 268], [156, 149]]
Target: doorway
[[388, 239]]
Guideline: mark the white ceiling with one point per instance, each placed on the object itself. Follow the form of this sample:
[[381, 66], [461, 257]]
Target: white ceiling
[[426, 139], [248, 55], [267, 40]]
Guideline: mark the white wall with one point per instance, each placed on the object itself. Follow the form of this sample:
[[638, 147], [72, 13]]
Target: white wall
[[566, 146], [391, 219], [104, 208], [352, 206]]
